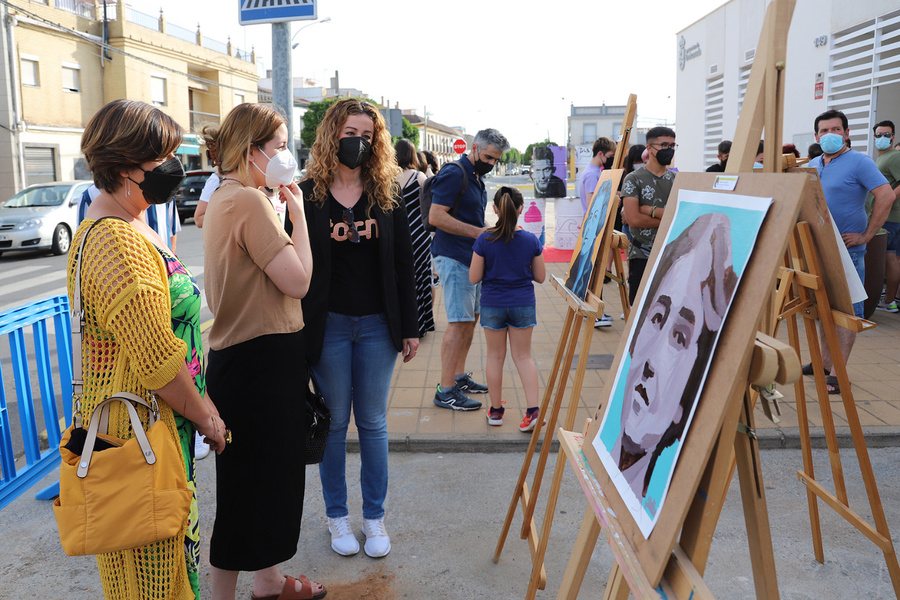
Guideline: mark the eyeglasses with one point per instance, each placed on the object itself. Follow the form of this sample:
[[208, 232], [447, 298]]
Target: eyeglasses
[[885, 134], [665, 145], [351, 223]]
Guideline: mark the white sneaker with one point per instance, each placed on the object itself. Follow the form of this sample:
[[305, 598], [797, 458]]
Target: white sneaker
[[378, 543], [201, 448], [342, 539], [604, 321]]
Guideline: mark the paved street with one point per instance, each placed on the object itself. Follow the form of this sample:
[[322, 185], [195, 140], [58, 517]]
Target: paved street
[[445, 512]]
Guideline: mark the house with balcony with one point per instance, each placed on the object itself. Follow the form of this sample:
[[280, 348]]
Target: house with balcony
[[65, 59]]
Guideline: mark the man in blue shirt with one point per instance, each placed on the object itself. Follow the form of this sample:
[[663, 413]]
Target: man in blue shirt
[[459, 219], [847, 176]]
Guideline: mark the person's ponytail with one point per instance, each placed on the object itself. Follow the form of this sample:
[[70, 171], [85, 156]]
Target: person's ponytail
[[508, 201]]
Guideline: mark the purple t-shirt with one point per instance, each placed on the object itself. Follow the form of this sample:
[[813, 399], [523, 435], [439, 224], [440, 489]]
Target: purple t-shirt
[[589, 180], [846, 180], [507, 269]]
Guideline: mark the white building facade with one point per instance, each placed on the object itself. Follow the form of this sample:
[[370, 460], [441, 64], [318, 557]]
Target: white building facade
[[840, 55]]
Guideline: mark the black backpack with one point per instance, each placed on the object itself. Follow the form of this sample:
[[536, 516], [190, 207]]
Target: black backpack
[[425, 196]]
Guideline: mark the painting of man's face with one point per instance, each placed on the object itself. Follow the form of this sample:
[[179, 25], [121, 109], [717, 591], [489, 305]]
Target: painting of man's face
[[542, 171], [665, 351]]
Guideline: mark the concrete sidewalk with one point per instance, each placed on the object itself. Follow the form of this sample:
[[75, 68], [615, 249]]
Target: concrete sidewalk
[[445, 513], [415, 423]]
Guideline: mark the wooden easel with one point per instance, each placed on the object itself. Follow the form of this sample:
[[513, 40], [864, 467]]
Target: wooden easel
[[802, 292], [683, 577], [571, 339], [684, 564]]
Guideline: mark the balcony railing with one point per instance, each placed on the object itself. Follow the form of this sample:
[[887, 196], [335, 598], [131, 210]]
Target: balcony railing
[[82, 8]]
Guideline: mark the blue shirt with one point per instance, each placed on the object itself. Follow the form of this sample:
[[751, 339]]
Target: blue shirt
[[846, 180], [589, 180], [444, 191], [507, 269]]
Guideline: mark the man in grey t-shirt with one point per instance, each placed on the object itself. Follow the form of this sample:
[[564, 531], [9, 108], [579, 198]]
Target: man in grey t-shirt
[[644, 196]]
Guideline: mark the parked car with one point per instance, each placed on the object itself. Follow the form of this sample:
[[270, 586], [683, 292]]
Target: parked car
[[44, 215], [188, 195], [526, 170]]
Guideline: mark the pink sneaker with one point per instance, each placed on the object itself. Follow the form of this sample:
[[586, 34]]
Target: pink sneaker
[[495, 416], [529, 421]]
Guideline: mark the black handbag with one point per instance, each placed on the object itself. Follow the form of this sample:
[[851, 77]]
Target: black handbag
[[319, 422]]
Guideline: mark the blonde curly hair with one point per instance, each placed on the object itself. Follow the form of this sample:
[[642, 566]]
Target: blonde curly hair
[[379, 173]]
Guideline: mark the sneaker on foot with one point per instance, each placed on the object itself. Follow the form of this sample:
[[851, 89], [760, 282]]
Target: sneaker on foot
[[469, 385], [378, 543], [604, 321], [891, 307], [495, 416], [529, 421], [455, 399], [201, 448], [342, 539]]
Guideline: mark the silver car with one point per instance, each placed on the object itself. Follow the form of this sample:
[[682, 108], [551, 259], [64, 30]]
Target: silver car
[[41, 216]]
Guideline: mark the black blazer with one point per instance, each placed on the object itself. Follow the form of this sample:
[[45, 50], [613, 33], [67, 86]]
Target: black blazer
[[397, 273]]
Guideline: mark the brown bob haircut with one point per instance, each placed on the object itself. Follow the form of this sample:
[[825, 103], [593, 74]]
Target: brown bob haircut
[[407, 158], [123, 135]]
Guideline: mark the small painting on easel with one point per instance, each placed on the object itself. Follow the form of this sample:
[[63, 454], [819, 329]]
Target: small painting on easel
[[671, 344], [589, 242]]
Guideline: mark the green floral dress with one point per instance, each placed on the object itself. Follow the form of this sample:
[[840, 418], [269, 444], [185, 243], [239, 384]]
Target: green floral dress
[[185, 297]]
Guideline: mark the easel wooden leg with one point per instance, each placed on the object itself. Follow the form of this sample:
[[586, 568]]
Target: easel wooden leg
[[548, 393], [557, 404], [553, 494], [759, 536], [805, 444], [581, 556]]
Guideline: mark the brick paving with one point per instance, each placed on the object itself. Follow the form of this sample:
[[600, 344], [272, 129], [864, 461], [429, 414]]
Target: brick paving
[[413, 419]]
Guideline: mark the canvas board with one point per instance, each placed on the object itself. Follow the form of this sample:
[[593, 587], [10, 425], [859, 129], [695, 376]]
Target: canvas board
[[660, 378], [592, 231], [726, 375]]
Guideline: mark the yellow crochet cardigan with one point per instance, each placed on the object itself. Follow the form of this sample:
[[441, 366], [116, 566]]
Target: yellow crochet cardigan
[[129, 346]]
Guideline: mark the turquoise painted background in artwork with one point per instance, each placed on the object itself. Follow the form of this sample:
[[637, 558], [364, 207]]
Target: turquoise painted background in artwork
[[744, 226]]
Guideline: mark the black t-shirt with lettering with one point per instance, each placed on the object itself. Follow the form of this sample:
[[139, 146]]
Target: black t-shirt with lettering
[[355, 267]]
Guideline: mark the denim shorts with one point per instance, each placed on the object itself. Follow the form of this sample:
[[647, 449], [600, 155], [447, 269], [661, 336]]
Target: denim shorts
[[517, 317], [893, 237], [462, 300], [859, 261]]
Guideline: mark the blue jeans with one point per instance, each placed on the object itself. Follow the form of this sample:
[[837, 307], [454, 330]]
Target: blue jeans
[[859, 261], [355, 371]]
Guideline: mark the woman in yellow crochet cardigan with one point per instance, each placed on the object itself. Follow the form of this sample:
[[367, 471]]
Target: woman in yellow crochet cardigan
[[142, 311]]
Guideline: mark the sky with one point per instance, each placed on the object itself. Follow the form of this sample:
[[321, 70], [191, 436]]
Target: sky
[[514, 66]]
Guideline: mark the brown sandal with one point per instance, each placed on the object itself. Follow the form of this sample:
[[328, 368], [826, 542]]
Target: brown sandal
[[289, 591]]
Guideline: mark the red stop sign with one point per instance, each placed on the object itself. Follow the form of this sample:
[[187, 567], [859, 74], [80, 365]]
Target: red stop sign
[[459, 146]]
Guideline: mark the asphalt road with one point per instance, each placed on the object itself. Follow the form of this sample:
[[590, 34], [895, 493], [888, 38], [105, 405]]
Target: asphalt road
[[445, 513]]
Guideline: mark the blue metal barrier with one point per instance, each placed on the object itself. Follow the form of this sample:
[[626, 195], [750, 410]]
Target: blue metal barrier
[[13, 324]]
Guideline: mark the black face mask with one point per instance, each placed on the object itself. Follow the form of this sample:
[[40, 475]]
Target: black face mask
[[160, 184], [353, 151], [482, 168], [609, 162], [665, 156]]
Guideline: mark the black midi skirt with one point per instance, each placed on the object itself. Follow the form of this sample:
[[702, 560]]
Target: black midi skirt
[[258, 387]]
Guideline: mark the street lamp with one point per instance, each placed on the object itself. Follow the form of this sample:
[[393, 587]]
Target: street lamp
[[294, 46]]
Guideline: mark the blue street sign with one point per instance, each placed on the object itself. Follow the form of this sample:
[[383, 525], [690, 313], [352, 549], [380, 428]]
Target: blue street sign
[[254, 12]]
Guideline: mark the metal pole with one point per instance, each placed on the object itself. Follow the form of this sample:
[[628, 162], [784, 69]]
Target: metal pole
[[282, 77]]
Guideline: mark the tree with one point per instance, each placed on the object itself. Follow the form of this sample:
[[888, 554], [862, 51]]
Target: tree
[[528, 151], [409, 133], [311, 119], [511, 156]]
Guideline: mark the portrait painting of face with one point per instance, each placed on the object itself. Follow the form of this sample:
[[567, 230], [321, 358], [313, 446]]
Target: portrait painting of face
[[548, 171], [672, 344], [588, 245]]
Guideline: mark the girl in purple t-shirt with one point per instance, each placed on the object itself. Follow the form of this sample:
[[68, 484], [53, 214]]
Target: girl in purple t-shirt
[[506, 260]]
